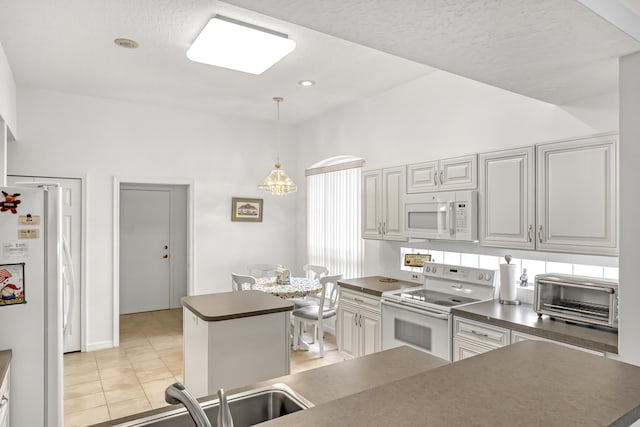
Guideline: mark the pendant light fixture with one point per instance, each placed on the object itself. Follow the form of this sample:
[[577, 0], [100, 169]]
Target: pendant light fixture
[[278, 182]]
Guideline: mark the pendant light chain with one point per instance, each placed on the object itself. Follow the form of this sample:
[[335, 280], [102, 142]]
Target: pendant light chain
[[277, 182], [278, 100]]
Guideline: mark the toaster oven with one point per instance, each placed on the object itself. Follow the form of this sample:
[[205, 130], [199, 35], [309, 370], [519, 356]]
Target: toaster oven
[[575, 298]]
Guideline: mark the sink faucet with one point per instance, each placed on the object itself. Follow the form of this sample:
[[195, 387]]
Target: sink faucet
[[224, 414], [177, 393]]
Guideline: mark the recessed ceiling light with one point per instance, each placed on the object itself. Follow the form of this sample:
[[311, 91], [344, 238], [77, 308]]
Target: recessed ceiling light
[[306, 83], [227, 43], [127, 43]]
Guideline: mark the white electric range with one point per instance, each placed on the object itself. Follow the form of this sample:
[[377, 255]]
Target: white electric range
[[421, 317]]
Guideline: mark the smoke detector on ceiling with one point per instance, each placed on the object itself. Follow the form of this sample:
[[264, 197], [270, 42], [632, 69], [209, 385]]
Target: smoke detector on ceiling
[[127, 43]]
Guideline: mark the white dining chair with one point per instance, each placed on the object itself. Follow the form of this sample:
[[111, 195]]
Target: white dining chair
[[317, 314], [263, 270], [315, 272], [240, 282]]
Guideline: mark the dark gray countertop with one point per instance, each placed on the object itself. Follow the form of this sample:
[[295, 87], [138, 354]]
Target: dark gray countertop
[[234, 305], [531, 383], [373, 286], [328, 383], [522, 318]]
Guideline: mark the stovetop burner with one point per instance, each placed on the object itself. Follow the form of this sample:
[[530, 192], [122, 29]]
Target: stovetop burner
[[437, 298]]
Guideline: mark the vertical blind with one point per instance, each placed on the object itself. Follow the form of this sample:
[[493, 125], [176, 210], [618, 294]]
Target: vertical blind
[[333, 222]]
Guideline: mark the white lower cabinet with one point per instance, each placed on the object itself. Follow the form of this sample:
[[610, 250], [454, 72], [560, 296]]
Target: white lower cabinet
[[517, 336], [471, 337], [359, 317]]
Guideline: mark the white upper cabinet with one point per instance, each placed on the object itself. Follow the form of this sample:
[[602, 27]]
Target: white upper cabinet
[[577, 200], [392, 194], [422, 177], [382, 195], [506, 198], [372, 204], [457, 173]]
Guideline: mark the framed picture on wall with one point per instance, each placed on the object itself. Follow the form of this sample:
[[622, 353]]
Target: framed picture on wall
[[248, 210]]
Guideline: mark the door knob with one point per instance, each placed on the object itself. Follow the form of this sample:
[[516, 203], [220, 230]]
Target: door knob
[[165, 256]]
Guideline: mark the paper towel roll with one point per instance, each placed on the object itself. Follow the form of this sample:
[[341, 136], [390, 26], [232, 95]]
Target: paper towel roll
[[508, 290]]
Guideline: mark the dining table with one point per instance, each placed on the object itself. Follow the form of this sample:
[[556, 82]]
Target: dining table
[[298, 287]]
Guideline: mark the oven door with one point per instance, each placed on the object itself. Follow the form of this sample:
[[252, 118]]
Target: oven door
[[419, 328]]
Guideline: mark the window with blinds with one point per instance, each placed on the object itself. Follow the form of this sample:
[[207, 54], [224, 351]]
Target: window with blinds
[[333, 218]]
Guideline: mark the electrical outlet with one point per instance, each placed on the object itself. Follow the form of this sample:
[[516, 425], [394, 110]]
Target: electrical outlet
[[415, 276]]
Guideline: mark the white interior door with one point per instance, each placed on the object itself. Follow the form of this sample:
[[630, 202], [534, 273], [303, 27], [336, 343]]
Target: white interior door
[[72, 232], [145, 269]]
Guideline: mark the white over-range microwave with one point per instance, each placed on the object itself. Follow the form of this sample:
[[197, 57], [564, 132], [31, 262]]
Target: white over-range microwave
[[450, 215]]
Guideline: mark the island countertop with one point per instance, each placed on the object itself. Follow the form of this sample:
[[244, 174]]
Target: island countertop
[[234, 305], [531, 383], [375, 285], [522, 318]]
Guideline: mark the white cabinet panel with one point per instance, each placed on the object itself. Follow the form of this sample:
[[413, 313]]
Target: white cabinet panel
[[370, 332], [422, 177], [382, 195], [577, 196], [359, 330], [392, 195], [348, 330], [458, 173], [463, 349], [506, 199], [372, 205]]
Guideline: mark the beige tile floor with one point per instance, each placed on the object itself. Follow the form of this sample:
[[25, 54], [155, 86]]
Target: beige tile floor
[[109, 384]]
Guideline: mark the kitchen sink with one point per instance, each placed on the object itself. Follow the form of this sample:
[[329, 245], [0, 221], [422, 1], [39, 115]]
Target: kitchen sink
[[247, 408]]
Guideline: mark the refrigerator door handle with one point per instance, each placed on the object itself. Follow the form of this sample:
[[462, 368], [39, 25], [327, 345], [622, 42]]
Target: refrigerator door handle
[[68, 281]]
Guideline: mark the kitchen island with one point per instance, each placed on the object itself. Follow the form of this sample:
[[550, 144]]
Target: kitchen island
[[531, 383], [234, 338]]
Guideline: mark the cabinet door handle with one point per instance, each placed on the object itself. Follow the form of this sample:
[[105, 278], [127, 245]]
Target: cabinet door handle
[[435, 179], [360, 320], [441, 180], [530, 232], [384, 227], [540, 234], [4, 401], [358, 300], [379, 228], [480, 334]]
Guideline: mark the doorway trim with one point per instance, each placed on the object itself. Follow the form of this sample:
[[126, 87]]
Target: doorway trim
[[117, 182]]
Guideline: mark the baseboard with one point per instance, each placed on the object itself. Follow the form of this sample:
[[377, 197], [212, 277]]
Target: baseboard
[[102, 345]]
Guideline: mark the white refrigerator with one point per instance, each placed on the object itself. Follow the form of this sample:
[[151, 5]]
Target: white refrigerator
[[31, 307]]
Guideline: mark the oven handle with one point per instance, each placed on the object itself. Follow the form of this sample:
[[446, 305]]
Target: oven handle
[[422, 311]]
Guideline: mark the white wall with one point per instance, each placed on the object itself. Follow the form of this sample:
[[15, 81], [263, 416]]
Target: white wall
[[68, 135], [438, 116], [7, 95], [629, 208]]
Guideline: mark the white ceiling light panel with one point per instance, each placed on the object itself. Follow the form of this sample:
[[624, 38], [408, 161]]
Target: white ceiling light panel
[[225, 42]]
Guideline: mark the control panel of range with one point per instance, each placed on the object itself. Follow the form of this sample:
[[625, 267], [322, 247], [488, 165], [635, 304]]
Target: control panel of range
[[478, 276]]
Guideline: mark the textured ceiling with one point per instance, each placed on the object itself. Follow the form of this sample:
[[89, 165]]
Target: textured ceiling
[[68, 46], [553, 50]]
